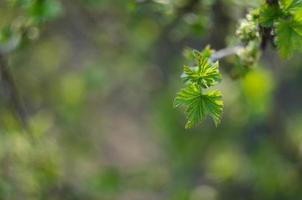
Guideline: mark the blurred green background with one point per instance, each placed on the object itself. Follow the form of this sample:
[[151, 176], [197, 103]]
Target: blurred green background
[[98, 85]]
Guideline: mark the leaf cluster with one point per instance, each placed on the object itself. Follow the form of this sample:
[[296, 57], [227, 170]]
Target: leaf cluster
[[195, 97], [284, 22]]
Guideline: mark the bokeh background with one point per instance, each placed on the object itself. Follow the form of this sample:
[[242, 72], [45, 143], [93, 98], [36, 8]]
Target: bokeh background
[[98, 85]]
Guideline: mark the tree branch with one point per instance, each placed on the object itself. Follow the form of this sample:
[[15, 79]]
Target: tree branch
[[13, 96], [226, 52]]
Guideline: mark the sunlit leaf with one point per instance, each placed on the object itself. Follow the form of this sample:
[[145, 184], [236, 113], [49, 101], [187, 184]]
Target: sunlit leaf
[[198, 105], [289, 37]]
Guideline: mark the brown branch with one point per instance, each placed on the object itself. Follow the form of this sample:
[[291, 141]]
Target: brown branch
[[267, 33], [12, 94], [272, 2]]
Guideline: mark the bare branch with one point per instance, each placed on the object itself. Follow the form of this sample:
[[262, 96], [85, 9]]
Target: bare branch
[[226, 52]]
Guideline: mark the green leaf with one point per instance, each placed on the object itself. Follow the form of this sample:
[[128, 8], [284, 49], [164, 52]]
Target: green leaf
[[269, 14], [205, 76], [289, 36], [291, 5], [42, 11], [206, 73], [207, 52], [198, 105], [298, 14]]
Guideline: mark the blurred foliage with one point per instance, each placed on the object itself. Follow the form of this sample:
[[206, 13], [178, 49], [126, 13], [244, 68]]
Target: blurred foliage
[[97, 78]]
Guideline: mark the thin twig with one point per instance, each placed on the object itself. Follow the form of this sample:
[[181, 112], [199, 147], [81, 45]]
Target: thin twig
[[226, 52]]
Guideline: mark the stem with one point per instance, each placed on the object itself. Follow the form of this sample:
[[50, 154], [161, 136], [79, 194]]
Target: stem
[[226, 52]]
